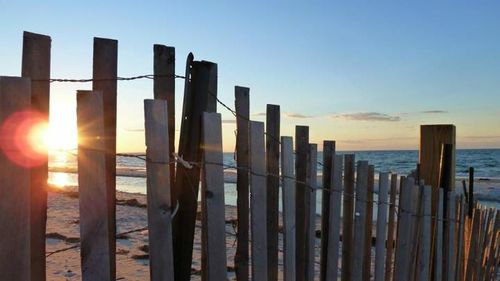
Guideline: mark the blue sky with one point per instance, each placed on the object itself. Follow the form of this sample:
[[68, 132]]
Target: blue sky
[[364, 73]]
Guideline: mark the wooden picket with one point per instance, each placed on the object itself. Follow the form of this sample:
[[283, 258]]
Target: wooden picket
[[288, 194]]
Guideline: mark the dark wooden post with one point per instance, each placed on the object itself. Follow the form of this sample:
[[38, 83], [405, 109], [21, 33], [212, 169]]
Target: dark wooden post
[[328, 155], [273, 184], [105, 67], [302, 196], [310, 223], [200, 95], [161, 260], [347, 218], [15, 96], [360, 220], [241, 258], [471, 192], [367, 259], [164, 89], [96, 255], [36, 65]]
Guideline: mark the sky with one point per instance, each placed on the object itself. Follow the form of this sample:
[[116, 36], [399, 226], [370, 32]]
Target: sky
[[364, 73]]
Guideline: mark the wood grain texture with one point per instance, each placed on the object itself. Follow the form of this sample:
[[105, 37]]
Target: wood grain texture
[[367, 259], [391, 227], [438, 248], [312, 185], [332, 267], [381, 226], [258, 201], [36, 66], [164, 88], [360, 220], [242, 256], [212, 193], [403, 243], [288, 194], [302, 197], [272, 164], [15, 258], [328, 155], [161, 260], [104, 71], [423, 265], [347, 218], [450, 271], [96, 258], [200, 96]]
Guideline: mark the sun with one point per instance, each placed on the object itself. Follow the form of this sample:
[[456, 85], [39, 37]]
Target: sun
[[61, 132]]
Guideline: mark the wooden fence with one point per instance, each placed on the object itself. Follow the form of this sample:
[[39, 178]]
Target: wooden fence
[[347, 243]]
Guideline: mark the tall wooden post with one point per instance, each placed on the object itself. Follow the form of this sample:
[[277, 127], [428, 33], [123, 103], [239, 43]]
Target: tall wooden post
[[347, 217], [36, 65], [105, 67], [360, 220], [200, 95], [328, 155], [241, 258], [302, 196], [161, 260], [15, 257], [164, 89], [96, 252], [310, 223], [288, 194], [273, 184]]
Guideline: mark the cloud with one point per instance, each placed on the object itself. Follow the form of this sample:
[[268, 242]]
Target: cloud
[[229, 121], [367, 116], [481, 137], [259, 114], [297, 115]]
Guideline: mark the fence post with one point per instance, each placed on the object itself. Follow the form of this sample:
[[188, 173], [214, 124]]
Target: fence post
[[15, 260], [328, 155], [36, 66], [450, 237], [242, 105], [302, 196], [438, 252], [199, 96], [288, 194], [333, 231], [474, 233], [367, 259], [311, 186], [347, 218], [360, 220], [258, 201], [273, 184], [390, 228], [403, 244], [96, 258], [423, 265], [381, 226], [105, 64], [161, 261], [212, 193], [164, 89]]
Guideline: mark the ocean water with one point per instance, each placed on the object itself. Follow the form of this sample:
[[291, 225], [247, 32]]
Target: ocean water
[[486, 163]]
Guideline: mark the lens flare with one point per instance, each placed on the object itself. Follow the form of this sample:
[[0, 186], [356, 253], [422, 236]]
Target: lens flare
[[23, 138]]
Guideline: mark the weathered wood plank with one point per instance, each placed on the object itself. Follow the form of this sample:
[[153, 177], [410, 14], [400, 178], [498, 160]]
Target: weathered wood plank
[[390, 228], [312, 185], [258, 201], [96, 258], [241, 258], [438, 248], [302, 196], [403, 243], [347, 218], [164, 89], [328, 155], [460, 239], [273, 184], [470, 270], [423, 266], [450, 237], [360, 220], [161, 260], [36, 65], [332, 266], [212, 193], [105, 65], [199, 96], [367, 259], [381, 226], [288, 194], [15, 258]]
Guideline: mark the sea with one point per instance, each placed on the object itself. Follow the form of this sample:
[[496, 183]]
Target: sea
[[486, 163]]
